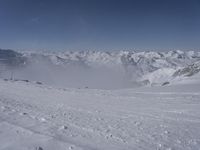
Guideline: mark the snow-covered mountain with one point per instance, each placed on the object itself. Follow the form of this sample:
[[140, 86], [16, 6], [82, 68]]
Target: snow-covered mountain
[[141, 67], [146, 61], [37, 116]]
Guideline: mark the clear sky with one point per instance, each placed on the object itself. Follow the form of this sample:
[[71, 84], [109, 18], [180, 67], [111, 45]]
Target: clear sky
[[99, 24]]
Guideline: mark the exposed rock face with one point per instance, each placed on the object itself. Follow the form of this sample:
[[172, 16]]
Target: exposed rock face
[[11, 58], [189, 70]]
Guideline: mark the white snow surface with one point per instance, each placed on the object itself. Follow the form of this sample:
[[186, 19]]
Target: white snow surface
[[40, 117], [93, 100]]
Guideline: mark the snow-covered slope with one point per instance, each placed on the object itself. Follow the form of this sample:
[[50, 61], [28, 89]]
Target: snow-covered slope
[[51, 115], [39, 117]]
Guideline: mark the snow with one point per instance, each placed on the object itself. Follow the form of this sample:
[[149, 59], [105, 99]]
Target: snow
[[93, 100], [99, 69], [159, 76], [41, 117]]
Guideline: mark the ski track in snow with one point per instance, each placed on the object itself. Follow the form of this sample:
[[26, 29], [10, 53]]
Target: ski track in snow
[[38, 117]]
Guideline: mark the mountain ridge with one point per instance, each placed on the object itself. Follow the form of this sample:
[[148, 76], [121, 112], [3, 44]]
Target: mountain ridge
[[143, 67]]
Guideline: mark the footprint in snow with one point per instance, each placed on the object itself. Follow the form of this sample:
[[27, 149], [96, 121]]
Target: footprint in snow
[[63, 128], [23, 113], [39, 148], [71, 147]]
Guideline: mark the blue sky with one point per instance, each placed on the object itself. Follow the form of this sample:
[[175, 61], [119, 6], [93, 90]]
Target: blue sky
[[99, 24]]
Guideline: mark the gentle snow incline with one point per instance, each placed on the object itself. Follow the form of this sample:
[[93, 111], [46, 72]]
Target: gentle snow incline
[[38, 117]]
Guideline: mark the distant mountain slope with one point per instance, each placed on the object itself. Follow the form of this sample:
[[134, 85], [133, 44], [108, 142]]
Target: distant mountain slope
[[141, 67], [189, 70], [11, 58]]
